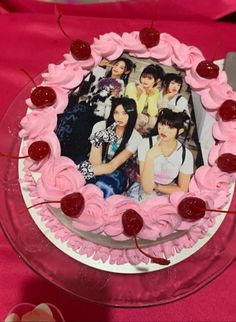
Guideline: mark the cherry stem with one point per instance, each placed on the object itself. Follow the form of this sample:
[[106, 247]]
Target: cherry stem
[[156, 260], [42, 203], [60, 26], [224, 211], [12, 156], [29, 76]]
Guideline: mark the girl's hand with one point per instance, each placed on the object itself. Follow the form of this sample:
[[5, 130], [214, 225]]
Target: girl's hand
[[140, 90], [151, 91], [155, 151]]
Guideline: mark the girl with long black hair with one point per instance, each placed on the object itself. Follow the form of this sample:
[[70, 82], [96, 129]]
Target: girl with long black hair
[[114, 142]]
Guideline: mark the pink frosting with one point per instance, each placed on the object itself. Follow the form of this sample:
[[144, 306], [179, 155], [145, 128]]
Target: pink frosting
[[64, 75], [117, 206], [164, 50], [185, 56], [94, 214], [225, 131], [216, 187], [85, 64], [221, 148], [217, 93], [162, 218], [38, 123], [59, 178], [197, 82], [109, 46], [59, 175], [133, 45]]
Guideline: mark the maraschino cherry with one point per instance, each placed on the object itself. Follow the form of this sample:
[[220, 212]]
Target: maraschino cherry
[[227, 111], [149, 36], [80, 49], [226, 162], [37, 151], [132, 224], [194, 208], [41, 96], [207, 69], [72, 204]]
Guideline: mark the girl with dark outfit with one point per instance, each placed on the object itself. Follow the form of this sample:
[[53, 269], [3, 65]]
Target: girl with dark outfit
[[76, 123], [114, 143]]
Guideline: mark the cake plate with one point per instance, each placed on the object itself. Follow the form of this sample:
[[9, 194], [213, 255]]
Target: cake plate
[[87, 283]]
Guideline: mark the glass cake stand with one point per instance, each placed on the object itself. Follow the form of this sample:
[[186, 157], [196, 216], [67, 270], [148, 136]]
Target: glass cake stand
[[119, 290]]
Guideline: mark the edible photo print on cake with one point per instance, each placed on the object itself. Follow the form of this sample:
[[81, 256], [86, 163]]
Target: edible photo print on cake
[[130, 128]]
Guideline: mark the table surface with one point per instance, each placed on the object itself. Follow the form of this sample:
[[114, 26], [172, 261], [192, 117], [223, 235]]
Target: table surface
[[32, 41]]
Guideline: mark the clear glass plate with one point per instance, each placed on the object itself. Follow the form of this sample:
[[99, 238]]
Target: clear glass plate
[[120, 290]]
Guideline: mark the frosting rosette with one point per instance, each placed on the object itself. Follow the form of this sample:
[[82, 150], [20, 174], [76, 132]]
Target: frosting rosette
[[185, 56], [93, 216], [164, 50], [218, 92], [162, 218], [117, 206], [197, 82], [59, 178], [216, 187], [221, 148], [225, 131], [133, 45], [109, 45], [37, 124], [66, 76], [85, 64]]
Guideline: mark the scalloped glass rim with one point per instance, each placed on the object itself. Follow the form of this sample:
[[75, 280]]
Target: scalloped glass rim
[[119, 290]]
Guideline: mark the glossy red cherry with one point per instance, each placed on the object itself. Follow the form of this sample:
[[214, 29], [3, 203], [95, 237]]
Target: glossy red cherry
[[132, 222], [207, 69], [43, 96], [80, 49], [73, 204], [39, 150], [192, 208], [227, 110], [149, 36], [227, 162]]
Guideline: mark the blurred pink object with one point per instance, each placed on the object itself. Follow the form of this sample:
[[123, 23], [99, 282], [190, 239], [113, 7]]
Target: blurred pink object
[[26, 312]]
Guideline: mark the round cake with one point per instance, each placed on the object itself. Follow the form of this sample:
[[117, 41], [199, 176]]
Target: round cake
[[125, 167]]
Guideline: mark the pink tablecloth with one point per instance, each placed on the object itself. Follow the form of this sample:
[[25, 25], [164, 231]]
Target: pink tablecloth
[[32, 41]]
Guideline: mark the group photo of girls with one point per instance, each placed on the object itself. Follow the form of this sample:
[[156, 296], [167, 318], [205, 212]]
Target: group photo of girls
[[130, 129]]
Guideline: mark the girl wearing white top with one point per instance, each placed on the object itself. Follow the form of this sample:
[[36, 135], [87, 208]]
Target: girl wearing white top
[[170, 96], [114, 143], [166, 166]]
